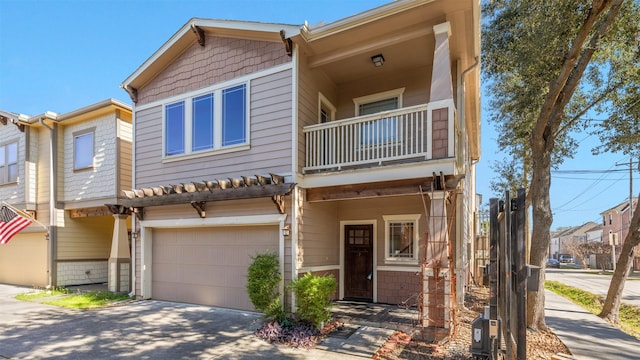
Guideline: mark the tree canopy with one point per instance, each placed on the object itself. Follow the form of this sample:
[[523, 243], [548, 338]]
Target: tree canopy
[[549, 66]]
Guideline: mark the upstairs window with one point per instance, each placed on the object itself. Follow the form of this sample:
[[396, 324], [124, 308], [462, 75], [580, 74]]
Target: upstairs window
[[9, 163], [326, 110], [83, 150], [174, 129], [234, 117], [212, 121]]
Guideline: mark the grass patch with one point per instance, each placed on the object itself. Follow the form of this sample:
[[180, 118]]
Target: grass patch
[[61, 297], [88, 300], [41, 293], [629, 316]]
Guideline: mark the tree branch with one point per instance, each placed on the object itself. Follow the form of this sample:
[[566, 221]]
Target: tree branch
[[555, 88]]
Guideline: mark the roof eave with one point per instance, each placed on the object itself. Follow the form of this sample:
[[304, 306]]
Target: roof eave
[[184, 37]]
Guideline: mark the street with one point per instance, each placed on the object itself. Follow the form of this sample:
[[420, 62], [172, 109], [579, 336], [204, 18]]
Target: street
[[596, 283]]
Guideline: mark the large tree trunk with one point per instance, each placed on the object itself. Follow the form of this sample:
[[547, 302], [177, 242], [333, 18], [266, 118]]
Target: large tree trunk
[[542, 219], [611, 308]]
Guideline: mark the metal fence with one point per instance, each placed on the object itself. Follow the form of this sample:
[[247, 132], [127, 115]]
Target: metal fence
[[508, 275]]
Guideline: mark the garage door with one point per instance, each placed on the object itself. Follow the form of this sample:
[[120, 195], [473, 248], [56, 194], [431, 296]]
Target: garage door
[[207, 265], [23, 260]]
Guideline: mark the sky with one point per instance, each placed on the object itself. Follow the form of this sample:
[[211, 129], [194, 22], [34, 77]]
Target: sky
[[64, 55]]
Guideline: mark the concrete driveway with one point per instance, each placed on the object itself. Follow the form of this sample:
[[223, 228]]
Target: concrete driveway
[[142, 330]]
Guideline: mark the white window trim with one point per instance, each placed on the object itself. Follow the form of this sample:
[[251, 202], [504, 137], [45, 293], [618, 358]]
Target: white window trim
[[395, 93], [323, 100], [5, 175], [75, 135], [416, 234], [217, 124]]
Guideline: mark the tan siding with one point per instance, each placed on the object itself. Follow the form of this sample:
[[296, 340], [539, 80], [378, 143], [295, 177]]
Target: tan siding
[[23, 260], [270, 138], [320, 235], [310, 83], [416, 84], [220, 60], [85, 238], [125, 165], [375, 208]]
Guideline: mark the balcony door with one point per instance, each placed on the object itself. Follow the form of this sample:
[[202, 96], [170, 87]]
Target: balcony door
[[384, 131]]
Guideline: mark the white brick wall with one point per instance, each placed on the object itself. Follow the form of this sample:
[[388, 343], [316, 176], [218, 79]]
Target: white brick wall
[[82, 272]]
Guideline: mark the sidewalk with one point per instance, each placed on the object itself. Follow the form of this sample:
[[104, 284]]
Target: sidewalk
[[586, 335]]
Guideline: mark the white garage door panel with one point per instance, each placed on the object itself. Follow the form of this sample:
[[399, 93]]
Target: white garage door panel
[[208, 265]]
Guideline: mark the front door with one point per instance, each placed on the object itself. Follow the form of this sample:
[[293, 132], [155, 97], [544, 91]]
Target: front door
[[358, 262]]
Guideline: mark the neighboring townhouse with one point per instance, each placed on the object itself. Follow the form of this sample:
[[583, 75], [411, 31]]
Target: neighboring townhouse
[[616, 222], [347, 148], [561, 239], [70, 241]]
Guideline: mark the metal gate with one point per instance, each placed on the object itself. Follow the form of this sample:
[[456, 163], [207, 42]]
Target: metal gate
[[508, 276]]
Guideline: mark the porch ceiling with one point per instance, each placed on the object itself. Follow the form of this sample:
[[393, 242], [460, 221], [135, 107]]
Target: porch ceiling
[[343, 51], [384, 188]]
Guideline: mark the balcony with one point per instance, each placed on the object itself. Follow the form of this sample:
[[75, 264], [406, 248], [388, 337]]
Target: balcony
[[407, 135]]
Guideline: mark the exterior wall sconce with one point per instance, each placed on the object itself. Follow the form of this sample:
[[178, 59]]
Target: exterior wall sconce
[[286, 230], [378, 60]]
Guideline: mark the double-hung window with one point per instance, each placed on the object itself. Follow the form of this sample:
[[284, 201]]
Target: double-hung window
[[9, 163], [83, 149], [401, 238], [211, 121]]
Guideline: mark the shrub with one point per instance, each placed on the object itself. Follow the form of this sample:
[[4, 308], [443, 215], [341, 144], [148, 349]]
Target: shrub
[[263, 277], [313, 296]]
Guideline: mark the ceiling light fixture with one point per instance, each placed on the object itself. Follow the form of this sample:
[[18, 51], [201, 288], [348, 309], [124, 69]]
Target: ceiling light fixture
[[378, 60]]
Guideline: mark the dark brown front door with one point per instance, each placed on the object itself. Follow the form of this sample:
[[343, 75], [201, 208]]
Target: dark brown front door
[[358, 262]]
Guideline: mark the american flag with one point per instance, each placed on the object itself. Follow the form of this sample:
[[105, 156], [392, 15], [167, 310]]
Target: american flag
[[11, 223]]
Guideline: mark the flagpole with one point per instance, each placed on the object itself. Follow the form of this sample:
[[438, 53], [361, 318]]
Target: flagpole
[[23, 214]]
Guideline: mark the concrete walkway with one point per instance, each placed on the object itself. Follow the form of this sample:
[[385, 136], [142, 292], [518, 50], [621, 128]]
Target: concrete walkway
[[156, 330], [586, 335]]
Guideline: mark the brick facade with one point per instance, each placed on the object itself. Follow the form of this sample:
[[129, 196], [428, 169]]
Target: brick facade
[[440, 125], [398, 287]]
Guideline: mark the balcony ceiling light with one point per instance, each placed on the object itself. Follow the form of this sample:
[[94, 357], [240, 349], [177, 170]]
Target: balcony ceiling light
[[378, 60]]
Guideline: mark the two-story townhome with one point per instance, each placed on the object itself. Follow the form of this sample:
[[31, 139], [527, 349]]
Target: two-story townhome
[[62, 169], [616, 221], [346, 148]]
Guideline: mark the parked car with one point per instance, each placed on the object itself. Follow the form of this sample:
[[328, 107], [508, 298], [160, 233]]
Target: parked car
[[565, 258], [553, 263]]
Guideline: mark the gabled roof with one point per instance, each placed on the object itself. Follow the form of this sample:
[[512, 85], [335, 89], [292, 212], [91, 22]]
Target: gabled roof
[[90, 110], [190, 33], [622, 207]]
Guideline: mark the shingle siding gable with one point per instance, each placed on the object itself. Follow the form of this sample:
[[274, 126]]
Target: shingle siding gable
[[221, 59]]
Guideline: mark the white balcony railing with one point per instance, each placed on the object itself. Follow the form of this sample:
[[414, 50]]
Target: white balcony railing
[[368, 140]]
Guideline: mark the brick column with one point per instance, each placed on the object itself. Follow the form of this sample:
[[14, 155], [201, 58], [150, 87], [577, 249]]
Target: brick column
[[436, 272]]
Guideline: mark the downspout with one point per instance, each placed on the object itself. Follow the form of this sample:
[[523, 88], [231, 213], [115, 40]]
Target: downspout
[[462, 252], [53, 189]]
